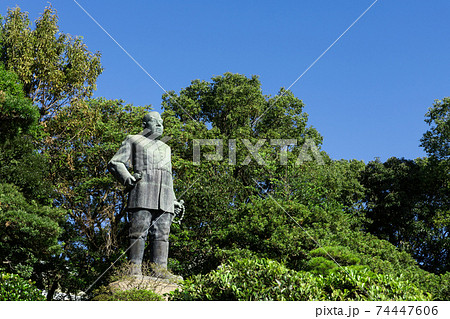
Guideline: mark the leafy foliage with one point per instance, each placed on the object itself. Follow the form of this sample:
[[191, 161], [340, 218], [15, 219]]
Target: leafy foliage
[[227, 108], [129, 295], [26, 168], [436, 141], [307, 215], [17, 113], [54, 67], [265, 279], [415, 195], [29, 232], [15, 288]]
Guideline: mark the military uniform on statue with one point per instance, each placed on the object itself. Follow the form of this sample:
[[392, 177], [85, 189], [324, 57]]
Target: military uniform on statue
[[151, 199]]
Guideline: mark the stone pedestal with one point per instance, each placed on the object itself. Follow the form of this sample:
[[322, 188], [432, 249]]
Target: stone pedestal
[[158, 285]]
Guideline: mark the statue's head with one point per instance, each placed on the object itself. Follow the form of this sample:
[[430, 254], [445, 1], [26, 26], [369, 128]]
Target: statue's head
[[153, 123]]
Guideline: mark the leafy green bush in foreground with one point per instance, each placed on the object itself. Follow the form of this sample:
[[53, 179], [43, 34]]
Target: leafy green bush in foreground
[[265, 279], [15, 288]]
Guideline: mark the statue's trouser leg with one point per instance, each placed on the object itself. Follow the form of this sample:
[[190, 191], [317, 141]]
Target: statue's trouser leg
[[159, 253], [159, 235], [140, 222], [136, 255]]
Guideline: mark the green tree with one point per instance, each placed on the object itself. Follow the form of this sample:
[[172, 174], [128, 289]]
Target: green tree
[[226, 108], [436, 141], [56, 70], [21, 164], [299, 208], [29, 233], [393, 190], [415, 194], [79, 142], [29, 227], [17, 113], [54, 67], [409, 192]]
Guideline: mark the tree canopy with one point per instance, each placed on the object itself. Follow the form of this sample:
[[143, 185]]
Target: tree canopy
[[54, 67], [436, 141], [17, 112]]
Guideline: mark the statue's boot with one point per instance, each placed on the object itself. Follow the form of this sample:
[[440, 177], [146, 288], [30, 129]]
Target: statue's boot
[[136, 255], [158, 257]]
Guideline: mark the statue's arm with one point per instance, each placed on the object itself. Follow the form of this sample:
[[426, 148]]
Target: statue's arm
[[118, 164]]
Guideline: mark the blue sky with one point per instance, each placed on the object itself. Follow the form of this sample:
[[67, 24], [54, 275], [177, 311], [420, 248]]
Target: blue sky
[[367, 96]]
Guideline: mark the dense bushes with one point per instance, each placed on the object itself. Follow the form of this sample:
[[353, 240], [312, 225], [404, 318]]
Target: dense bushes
[[15, 288], [265, 279], [28, 232]]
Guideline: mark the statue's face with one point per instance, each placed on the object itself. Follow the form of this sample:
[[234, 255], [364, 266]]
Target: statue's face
[[154, 125]]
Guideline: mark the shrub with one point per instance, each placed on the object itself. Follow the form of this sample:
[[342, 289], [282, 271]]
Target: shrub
[[362, 284], [265, 279], [247, 279], [437, 285], [15, 288], [342, 255], [129, 295]]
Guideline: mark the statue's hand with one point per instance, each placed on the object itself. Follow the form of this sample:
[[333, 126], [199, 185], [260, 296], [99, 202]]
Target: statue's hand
[[130, 182], [178, 206]]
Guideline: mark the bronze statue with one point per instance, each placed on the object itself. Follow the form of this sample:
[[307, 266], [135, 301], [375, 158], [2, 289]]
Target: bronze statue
[[151, 199]]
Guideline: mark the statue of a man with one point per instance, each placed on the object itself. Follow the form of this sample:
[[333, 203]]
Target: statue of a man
[[151, 199]]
